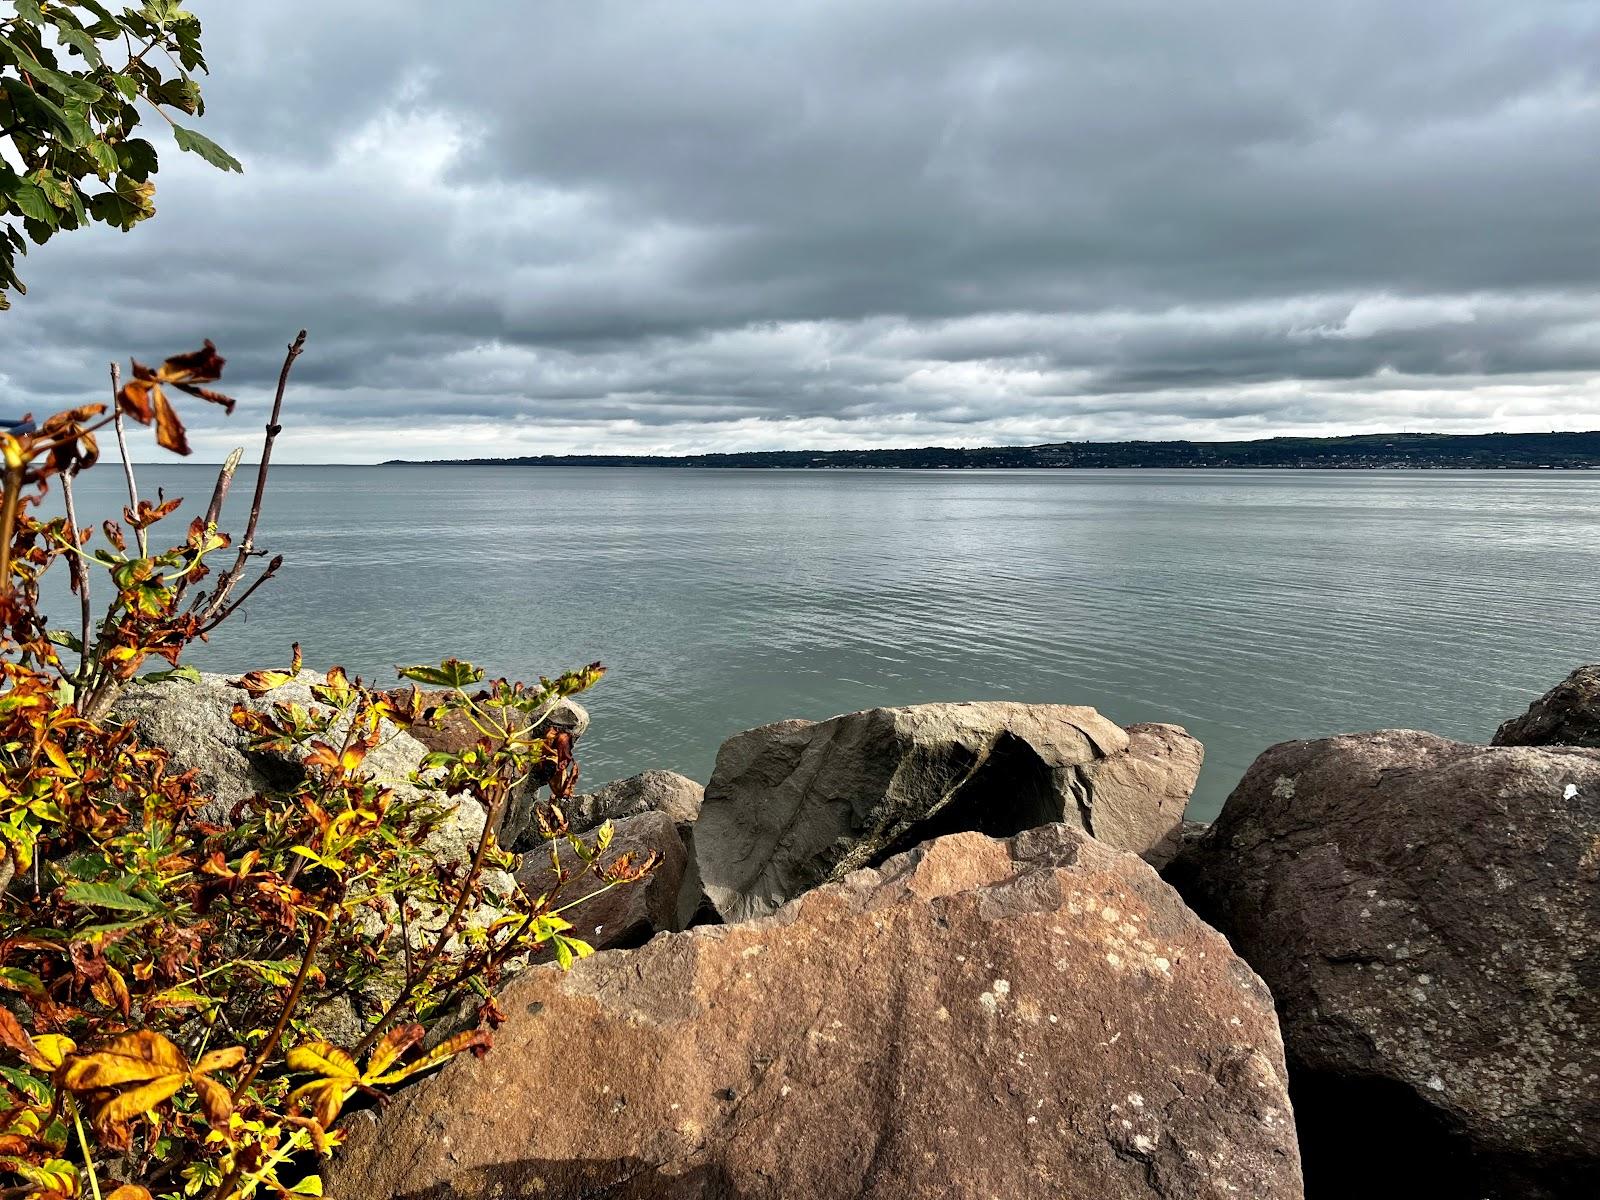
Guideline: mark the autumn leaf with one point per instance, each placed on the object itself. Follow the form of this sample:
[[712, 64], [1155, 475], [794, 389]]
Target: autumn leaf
[[141, 1056], [144, 397]]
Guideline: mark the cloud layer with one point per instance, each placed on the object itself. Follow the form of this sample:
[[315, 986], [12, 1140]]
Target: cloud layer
[[645, 226]]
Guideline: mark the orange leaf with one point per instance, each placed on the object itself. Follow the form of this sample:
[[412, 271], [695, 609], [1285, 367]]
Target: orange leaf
[[129, 1191], [220, 1060], [214, 1098], [134, 398], [326, 1097]]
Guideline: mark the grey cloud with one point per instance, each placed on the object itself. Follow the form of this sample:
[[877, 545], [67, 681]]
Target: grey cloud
[[656, 225]]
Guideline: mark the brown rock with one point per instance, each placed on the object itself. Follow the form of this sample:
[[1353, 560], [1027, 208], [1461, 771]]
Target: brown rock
[[1039, 1017], [794, 804], [1567, 715], [629, 914], [1426, 914]]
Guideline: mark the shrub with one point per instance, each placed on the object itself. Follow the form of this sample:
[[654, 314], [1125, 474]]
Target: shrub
[[164, 977]]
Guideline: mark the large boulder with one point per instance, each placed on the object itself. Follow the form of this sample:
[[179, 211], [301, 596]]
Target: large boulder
[[1426, 914], [797, 803], [1567, 715], [977, 1018], [627, 914]]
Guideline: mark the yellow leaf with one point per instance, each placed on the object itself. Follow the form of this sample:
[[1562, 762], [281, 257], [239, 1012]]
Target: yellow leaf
[[137, 1101], [53, 1048], [395, 1043], [322, 1058], [127, 1058], [325, 1097], [220, 1060]]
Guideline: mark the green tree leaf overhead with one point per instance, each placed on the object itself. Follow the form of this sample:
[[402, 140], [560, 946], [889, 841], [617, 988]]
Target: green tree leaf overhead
[[76, 79]]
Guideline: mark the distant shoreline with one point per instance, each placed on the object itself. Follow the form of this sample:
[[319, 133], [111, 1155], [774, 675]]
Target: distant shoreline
[[1424, 451]]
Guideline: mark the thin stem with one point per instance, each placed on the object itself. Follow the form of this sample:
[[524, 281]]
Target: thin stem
[[219, 493], [272, 569], [80, 577], [88, 1158], [271, 1044], [227, 582], [127, 464]]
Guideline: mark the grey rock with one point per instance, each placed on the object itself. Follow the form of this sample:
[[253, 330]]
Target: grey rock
[[193, 722], [974, 1019], [653, 791], [1427, 916], [797, 803], [628, 914], [1567, 715], [667, 792]]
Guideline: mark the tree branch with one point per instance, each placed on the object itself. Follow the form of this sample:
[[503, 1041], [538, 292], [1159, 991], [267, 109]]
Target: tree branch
[[141, 534], [226, 584]]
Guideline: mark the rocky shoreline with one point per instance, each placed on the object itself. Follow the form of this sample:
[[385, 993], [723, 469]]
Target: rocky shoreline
[[974, 950]]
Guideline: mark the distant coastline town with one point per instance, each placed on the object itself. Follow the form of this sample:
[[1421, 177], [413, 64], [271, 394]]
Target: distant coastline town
[[1435, 451]]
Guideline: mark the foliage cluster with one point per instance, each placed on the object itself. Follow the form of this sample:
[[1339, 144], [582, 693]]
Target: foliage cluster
[[164, 977], [72, 78]]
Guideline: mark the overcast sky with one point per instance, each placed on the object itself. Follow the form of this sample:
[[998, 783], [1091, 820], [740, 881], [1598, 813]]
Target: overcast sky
[[532, 226]]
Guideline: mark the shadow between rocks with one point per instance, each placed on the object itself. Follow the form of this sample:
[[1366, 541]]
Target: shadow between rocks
[[1011, 792]]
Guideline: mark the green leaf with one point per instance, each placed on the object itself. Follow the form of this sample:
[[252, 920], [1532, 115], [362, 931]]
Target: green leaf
[[198, 143], [31, 1086], [104, 895], [452, 673], [60, 637], [184, 672], [311, 1185], [81, 42], [31, 201], [22, 981]]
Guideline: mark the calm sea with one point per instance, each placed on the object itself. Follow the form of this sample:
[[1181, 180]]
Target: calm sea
[[1249, 606]]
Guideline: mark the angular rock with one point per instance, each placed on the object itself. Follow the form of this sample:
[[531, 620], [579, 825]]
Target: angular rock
[[665, 792], [653, 791], [977, 1018], [796, 803], [1426, 915], [629, 914], [1567, 715]]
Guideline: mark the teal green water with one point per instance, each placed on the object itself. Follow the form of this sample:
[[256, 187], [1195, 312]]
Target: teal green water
[[1249, 606]]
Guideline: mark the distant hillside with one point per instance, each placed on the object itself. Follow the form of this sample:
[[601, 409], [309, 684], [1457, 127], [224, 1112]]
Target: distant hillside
[[1370, 451]]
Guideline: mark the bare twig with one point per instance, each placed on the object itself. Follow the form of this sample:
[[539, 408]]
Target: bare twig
[[219, 594], [127, 466], [219, 493], [80, 576], [272, 569]]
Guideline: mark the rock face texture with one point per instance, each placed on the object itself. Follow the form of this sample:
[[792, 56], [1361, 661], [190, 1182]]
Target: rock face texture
[[977, 1018], [796, 803], [1567, 715], [654, 791], [1428, 917], [624, 916]]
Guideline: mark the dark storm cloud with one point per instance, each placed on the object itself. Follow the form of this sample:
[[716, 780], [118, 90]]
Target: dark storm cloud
[[680, 226]]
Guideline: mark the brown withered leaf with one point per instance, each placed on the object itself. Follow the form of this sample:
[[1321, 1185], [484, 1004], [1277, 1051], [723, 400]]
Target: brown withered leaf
[[169, 430]]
